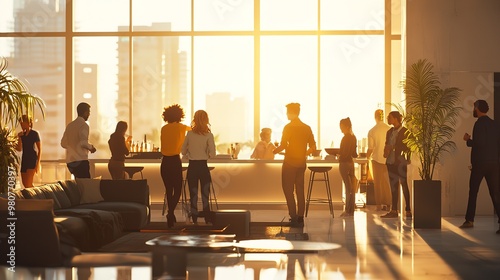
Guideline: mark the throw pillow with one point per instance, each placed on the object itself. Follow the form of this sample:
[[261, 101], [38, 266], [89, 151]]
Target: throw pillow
[[90, 190]]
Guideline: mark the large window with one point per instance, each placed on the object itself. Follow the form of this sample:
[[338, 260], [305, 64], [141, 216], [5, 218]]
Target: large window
[[241, 61]]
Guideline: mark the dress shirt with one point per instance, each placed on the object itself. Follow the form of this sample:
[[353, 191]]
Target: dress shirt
[[376, 141], [76, 140]]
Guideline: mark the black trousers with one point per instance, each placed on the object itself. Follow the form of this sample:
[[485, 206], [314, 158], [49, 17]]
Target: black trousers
[[79, 169], [397, 175], [489, 171], [198, 172], [292, 180], [171, 174]]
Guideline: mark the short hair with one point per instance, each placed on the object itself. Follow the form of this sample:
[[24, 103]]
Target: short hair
[[379, 115], [25, 118], [266, 131], [482, 106], [293, 108], [397, 115], [173, 113], [82, 108]]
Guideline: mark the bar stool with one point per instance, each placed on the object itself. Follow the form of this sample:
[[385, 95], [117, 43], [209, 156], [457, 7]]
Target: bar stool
[[131, 170], [211, 194], [184, 199], [324, 170]]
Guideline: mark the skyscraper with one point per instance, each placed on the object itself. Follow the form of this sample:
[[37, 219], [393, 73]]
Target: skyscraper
[[159, 79]]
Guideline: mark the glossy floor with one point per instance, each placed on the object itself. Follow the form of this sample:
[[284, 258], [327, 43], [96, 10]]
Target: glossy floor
[[376, 248]]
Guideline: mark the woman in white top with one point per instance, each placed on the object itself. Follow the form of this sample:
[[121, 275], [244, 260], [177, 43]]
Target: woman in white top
[[264, 149], [199, 146]]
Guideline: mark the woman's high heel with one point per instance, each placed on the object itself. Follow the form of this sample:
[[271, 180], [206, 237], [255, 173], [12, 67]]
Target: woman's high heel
[[171, 220]]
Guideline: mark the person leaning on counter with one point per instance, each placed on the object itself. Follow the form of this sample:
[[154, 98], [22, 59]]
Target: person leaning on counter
[[119, 147], [264, 149], [172, 136], [295, 139]]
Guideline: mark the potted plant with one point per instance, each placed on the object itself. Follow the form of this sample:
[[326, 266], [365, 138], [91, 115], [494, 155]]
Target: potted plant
[[15, 101], [431, 116]]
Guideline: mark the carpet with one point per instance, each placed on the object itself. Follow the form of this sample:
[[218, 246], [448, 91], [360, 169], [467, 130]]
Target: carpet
[[135, 241]]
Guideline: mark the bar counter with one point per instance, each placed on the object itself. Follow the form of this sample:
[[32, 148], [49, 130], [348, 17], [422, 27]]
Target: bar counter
[[236, 181]]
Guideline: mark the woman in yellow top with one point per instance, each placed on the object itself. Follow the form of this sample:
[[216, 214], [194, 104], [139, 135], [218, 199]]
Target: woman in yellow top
[[172, 137]]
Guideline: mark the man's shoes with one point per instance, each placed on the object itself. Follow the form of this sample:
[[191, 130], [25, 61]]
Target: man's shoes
[[297, 222], [468, 224], [346, 215], [408, 214], [391, 214]]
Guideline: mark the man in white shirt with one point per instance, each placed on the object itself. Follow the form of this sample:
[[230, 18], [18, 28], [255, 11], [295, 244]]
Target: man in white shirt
[[76, 142], [376, 142]]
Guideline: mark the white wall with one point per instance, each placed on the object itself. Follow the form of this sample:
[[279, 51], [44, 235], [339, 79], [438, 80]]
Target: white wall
[[462, 39]]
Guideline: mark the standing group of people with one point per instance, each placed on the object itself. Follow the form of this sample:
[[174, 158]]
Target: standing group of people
[[390, 157], [198, 144]]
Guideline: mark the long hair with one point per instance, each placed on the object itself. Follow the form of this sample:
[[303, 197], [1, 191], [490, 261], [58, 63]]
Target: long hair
[[346, 123], [200, 123], [121, 127]]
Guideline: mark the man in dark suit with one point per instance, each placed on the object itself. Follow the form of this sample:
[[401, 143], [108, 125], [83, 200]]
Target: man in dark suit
[[485, 142], [397, 157]]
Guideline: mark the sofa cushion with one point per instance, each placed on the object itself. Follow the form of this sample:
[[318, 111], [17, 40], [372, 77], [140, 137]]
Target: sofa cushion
[[59, 195], [125, 190], [73, 231], [72, 191], [90, 190], [134, 215], [104, 226], [42, 192], [33, 193]]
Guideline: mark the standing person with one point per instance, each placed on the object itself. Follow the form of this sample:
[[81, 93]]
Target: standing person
[[484, 160], [295, 139], [199, 146], [76, 142], [346, 165], [172, 136], [30, 160], [264, 149], [397, 157], [120, 147], [376, 142]]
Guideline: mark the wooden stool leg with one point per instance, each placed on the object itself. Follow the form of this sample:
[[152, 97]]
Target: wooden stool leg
[[212, 192], [329, 193], [309, 190]]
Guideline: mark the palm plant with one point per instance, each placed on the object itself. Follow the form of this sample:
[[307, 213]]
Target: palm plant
[[15, 101], [431, 116]]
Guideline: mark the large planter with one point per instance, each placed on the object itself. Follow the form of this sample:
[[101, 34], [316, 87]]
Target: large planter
[[427, 204]]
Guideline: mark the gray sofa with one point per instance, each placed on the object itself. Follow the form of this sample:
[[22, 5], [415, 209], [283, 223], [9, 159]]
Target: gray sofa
[[120, 206]]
